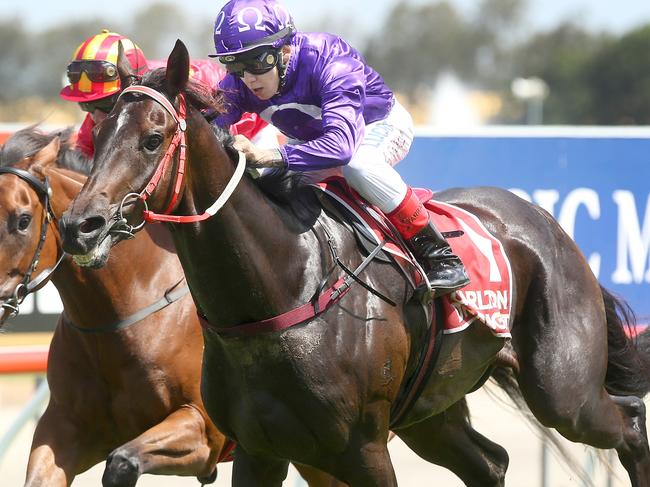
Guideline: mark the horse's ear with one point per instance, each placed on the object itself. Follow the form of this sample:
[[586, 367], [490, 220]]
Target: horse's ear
[[178, 69], [124, 69], [47, 156]]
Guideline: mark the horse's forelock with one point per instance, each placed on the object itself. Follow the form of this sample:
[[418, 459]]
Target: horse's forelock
[[23, 143], [28, 141]]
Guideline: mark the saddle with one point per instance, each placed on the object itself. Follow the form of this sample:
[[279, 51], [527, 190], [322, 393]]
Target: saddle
[[487, 298]]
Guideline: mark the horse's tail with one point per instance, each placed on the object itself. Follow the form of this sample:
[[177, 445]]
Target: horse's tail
[[628, 360]]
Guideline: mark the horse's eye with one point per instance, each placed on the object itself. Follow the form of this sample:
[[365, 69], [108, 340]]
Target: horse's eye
[[152, 142], [23, 222]]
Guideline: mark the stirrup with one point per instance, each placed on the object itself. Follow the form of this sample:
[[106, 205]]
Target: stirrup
[[426, 294], [441, 291]]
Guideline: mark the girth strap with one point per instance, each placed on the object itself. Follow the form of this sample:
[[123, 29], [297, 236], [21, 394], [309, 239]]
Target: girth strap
[[427, 360], [170, 297], [326, 299]]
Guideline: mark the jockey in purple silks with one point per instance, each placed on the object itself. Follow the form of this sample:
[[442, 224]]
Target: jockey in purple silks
[[337, 113]]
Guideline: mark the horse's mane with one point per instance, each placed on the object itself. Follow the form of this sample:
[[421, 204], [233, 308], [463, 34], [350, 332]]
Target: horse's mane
[[28, 141]]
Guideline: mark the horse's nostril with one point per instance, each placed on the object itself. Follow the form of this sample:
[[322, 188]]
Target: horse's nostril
[[91, 225]]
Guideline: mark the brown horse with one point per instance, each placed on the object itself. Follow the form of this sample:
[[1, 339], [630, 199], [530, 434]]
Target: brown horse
[[321, 393], [123, 368]]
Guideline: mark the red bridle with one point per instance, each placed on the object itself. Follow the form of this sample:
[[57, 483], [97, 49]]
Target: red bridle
[[178, 142]]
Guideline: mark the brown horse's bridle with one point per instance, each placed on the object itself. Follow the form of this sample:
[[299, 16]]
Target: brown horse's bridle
[[28, 285], [177, 142]]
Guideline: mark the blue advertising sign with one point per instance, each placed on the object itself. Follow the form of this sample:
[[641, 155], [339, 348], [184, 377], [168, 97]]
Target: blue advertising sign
[[595, 182]]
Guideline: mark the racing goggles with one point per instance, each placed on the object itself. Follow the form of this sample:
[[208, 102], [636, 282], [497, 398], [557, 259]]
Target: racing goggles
[[105, 104], [97, 71], [258, 62]]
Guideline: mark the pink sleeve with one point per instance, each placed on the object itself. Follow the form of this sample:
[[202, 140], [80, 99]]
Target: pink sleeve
[[249, 125], [206, 71], [84, 142]]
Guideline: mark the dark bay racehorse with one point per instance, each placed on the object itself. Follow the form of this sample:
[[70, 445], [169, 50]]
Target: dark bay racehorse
[[320, 393], [123, 374]]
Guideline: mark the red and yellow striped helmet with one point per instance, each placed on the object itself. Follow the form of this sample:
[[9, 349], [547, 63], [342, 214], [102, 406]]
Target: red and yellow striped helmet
[[96, 58]]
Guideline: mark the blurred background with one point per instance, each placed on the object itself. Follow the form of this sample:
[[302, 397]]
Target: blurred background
[[573, 74], [452, 62]]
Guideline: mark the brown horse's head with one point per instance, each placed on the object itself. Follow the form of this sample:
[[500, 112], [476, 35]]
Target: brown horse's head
[[129, 146], [28, 243]]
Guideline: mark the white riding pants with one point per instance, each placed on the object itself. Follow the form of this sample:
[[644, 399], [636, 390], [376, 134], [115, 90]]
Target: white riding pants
[[370, 171]]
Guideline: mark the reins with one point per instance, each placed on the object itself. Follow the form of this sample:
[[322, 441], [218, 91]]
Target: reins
[[177, 143], [28, 285]]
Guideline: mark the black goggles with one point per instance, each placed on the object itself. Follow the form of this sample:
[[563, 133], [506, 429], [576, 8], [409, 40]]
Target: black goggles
[[258, 63], [97, 71], [103, 104]]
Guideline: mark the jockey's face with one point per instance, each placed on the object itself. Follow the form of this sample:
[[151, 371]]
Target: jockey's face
[[98, 116], [263, 86], [99, 108]]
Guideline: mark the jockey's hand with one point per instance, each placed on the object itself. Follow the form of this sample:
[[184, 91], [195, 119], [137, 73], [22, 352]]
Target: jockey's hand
[[256, 157]]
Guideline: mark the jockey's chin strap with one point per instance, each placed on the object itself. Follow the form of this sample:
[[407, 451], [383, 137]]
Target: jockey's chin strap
[[28, 285], [178, 142]]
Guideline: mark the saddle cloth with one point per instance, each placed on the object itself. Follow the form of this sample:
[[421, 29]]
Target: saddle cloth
[[487, 298]]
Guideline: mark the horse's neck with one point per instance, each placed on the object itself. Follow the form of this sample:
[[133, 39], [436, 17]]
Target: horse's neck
[[136, 275], [246, 262]]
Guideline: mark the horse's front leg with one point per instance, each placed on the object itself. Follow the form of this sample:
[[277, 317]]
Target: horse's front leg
[[59, 451], [179, 445], [255, 471], [367, 465]]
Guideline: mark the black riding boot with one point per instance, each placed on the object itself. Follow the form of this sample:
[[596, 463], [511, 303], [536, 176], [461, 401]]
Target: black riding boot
[[444, 269]]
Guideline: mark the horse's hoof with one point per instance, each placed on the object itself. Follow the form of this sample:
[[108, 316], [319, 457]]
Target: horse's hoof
[[122, 470], [634, 405], [210, 479]]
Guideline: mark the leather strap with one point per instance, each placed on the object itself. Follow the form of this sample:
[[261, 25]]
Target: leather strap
[[169, 298]]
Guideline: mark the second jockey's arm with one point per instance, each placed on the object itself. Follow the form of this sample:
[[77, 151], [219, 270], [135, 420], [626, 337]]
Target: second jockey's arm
[[256, 157]]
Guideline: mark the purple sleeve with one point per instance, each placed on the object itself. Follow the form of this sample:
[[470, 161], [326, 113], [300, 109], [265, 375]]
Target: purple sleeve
[[232, 103], [342, 88]]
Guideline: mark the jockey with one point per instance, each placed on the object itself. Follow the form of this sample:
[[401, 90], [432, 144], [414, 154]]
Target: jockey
[[95, 83], [337, 113]]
